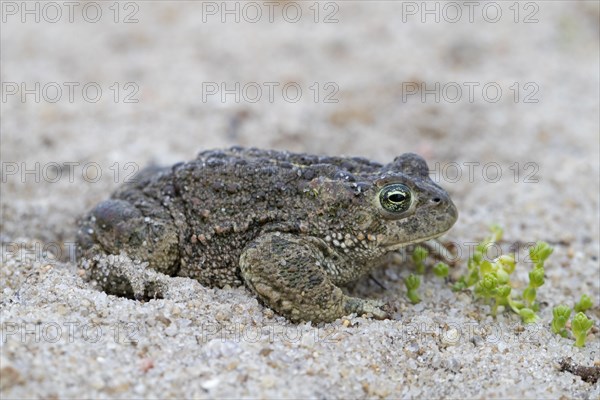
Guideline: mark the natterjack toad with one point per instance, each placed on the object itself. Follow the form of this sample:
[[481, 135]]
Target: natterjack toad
[[291, 227]]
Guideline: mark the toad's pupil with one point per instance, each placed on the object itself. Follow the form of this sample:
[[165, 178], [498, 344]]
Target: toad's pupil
[[397, 197]]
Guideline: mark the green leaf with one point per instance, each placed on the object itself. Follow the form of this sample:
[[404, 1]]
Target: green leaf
[[536, 277], [487, 286], [413, 296], [503, 277], [458, 286], [528, 316], [477, 258], [419, 254], [584, 303], [412, 283], [473, 277], [539, 253], [441, 269], [503, 291], [507, 262], [485, 267], [580, 325], [518, 304], [497, 233], [529, 295], [560, 315]]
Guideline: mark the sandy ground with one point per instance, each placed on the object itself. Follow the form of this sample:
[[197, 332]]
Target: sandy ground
[[394, 80]]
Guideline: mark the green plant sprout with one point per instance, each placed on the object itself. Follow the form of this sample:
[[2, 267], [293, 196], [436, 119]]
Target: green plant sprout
[[528, 315], [580, 325], [584, 303], [560, 315], [539, 253], [418, 256], [474, 262], [441, 270], [536, 279], [412, 283], [491, 279]]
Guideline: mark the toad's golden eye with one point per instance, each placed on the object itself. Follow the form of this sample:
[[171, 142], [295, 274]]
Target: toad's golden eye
[[395, 198]]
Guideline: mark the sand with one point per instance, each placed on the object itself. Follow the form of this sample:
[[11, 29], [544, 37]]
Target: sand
[[504, 107]]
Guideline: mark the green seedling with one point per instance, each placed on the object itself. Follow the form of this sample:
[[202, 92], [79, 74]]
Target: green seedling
[[560, 315], [491, 279], [476, 260], [539, 253], [584, 303], [581, 325], [528, 316], [418, 256], [490, 289], [412, 283], [441, 269], [536, 279]]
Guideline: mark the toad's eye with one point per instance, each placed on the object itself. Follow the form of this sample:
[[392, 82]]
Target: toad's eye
[[395, 198]]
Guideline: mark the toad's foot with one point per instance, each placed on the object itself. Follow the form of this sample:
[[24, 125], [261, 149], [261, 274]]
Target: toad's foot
[[287, 274], [122, 276]]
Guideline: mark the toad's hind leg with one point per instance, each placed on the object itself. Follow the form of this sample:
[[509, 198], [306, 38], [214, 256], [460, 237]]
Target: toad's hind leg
[[287, 274]]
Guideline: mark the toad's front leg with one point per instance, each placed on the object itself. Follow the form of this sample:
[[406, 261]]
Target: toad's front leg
[[287, 273]]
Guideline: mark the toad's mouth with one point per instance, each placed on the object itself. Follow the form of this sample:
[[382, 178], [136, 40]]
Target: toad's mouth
[[396, 246]]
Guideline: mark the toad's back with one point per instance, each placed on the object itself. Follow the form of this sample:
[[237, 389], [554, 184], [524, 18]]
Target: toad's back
[[230, 197]]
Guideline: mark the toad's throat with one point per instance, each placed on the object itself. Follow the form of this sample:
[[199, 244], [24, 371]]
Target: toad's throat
[[396, 246]]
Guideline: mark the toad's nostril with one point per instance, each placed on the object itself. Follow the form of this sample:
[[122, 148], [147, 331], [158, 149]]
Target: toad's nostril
[[436, 199]]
